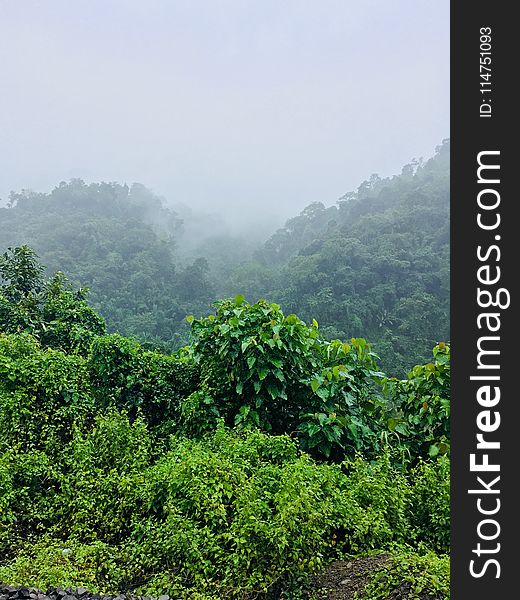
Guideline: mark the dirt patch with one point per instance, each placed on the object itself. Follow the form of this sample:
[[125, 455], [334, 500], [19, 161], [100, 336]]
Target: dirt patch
[[342, 579]]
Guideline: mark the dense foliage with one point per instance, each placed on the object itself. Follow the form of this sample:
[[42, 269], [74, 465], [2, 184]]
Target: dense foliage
[[374, 265], [414, 577], [118, 241], [232, 468], [261, 368]]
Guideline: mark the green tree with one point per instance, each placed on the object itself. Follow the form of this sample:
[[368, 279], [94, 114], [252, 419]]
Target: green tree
[[47, 309]]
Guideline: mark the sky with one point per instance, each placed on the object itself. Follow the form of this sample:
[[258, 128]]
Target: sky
[[253, 108]]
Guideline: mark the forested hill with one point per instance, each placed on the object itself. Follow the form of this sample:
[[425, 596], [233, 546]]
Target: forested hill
[[119, 241], [375, 265]]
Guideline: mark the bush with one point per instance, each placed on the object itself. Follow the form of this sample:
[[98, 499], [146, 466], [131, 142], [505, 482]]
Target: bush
[[47, 309], [101, 487], [233, 515], [262, 369], [411, 576], [127, 377], [105, 468], [429, 504], [418, 409], [51, 562], [29, 498], [42, 393]]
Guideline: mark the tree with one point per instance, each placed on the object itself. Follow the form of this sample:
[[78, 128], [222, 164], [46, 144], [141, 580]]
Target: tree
[[47, 309]]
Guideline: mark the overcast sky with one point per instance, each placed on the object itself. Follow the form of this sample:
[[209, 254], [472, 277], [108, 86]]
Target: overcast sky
[[258, 107]]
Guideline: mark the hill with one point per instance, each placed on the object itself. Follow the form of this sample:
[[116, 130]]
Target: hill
[[375, 264]]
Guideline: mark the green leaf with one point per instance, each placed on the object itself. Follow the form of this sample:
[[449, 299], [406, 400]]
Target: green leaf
[[433, 450], [262, 373], [313, 429], [273, 391]]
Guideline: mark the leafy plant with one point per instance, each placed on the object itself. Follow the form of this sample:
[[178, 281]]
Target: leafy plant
[[260, 368], [47, 309], [418, 411], [413, 576]]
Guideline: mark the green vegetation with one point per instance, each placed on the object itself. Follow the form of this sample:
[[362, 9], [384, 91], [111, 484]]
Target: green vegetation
[[375, 265], [118, 241], [412, 576], [234, 467]]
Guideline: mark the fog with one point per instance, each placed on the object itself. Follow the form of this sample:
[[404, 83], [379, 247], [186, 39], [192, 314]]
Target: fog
[[247, 109]]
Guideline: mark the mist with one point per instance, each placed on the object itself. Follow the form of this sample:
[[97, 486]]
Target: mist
[[251, 110]]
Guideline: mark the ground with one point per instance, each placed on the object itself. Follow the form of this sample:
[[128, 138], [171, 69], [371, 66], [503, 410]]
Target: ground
[[342, 579]]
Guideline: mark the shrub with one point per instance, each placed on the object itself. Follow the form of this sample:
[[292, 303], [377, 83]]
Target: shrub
[[411, 576], [29, 498], [238, 515], [52, 562], [262, 369], [42, 393], [429, 504], [105, 467], [418, 411], [127, 377], [47, 309]]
